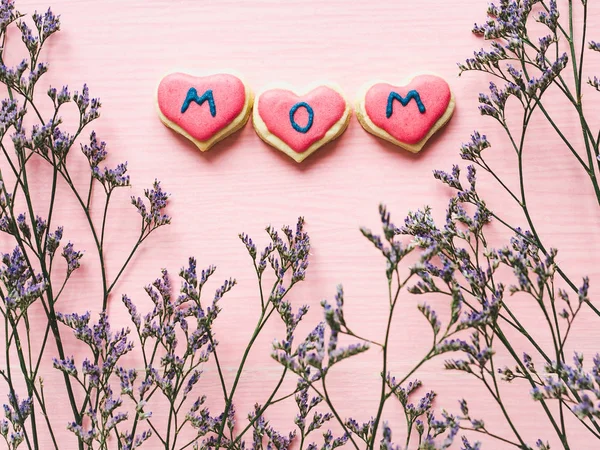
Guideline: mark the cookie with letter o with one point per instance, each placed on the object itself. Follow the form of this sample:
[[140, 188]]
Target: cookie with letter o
[[298, 124]]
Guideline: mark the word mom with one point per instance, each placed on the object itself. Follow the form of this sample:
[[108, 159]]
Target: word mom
[[208, 109]]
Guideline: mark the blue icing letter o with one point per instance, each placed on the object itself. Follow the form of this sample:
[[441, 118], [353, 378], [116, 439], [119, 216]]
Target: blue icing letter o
[[311, 115]]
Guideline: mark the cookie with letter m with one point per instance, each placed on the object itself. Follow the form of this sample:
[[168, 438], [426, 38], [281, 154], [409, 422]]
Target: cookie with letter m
[[204, 109], [406, 115]]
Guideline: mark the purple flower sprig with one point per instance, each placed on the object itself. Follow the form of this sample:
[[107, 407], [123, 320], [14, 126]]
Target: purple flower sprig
[[16, 413], [528, 64], [31, 270], [262, 432], [420, 417], [153, 215], [100, 406], [287, 255], [306, 427], [21, 286], [47, 24], [571, 385], [313, 357], [8, 14], [457, 261], [176, 370]]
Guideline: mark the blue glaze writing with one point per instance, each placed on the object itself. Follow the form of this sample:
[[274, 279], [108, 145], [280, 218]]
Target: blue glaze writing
[[412, 95], [311, 115], [192, 96]]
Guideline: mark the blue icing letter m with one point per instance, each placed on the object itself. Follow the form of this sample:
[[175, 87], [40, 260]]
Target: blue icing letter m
[[192, 96], [412, 95]]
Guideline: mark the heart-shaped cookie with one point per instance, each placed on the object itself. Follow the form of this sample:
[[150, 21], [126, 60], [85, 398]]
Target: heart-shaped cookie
[[298, 125], [204, 109], [406, 115]]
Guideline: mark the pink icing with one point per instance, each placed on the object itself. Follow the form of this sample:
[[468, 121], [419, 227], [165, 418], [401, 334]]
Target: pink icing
[[274, 109], [407, 124], [229, 94]]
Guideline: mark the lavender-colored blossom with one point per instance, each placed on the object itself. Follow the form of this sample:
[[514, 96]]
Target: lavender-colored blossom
[[110, 403], [135, 316], [92, 372], [59, 98], [95, 152], [112, 178], [263, 430], [8, 14], [17, 411], [131, 442], [386, 440], [541, 445], [550, 17], [247, 241], [486, 60], [364, 431], [329, 442], [66, 365], [192, 380], [10, 115], [334, 316], [154, 216], [451, 179], [89, 108], [47, 24], [26, 84], [31, 42], [72, 257], [12, 76], [85, 436], [21, 284], [82, 100], [62, 142], [23, 226], [471, 151], [41, 137]]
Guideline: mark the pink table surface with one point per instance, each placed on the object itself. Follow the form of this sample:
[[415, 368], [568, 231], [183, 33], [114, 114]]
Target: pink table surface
[[123, 48]]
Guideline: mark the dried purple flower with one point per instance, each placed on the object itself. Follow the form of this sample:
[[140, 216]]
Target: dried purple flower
[[47, 24], [72, 257], [155, 217]]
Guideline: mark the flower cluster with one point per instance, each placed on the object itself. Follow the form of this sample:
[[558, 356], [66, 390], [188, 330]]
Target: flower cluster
[[308, 359], [21, 285], [528, 63], [30, 272], [178, 369], [152, 217], [16, 413], [507, 29]]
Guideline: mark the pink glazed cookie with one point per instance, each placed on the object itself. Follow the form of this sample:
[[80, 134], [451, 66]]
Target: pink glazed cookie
[[406, 115], [204, 109], [298, 125]]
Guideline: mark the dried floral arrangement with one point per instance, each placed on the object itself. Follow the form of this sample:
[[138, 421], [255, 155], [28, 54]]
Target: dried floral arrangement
[[111, 404]]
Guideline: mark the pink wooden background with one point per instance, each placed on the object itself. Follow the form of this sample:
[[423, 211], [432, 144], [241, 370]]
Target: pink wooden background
[[122, 48]]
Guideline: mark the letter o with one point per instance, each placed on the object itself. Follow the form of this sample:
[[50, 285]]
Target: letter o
[[311, 114]]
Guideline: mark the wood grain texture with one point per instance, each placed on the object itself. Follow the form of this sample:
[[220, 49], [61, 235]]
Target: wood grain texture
[[122, 48]]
